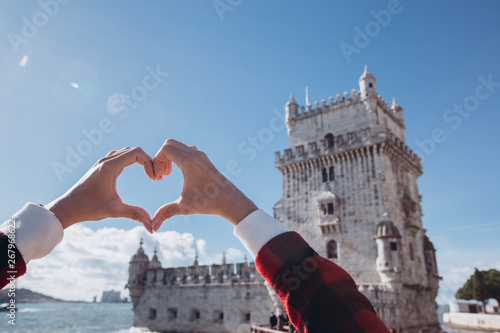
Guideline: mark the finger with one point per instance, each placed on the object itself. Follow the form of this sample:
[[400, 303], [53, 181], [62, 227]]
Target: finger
[[111, 153], [134, 155], [135, 213], [171, 151], [165, 212], [168, 153], [161, 166]]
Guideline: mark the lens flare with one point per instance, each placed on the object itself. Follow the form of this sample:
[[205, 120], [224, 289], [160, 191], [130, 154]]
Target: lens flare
[[24, 61], [74, 85]]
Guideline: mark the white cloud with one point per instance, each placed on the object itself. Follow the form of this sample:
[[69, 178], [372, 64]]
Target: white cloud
[[87, 262]]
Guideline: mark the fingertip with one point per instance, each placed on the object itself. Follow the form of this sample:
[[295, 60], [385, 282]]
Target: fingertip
[[147, 226], [156, 224]]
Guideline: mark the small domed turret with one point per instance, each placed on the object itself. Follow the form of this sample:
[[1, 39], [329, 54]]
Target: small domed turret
[[367, 84], [292, 109], [139, 264], [389, 252], [139, 256], [155, 263], [387, 229]]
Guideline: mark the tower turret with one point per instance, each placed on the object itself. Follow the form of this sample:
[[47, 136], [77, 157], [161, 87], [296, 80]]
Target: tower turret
[[155, 263], [139, 264], [292, 109], [367, 84], [389, 252]]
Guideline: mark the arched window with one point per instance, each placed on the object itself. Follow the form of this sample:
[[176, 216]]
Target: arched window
[[332, 174], [329, 139], [325, 175], [331, 250]]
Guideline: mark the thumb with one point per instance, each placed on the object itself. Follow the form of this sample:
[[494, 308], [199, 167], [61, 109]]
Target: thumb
[[136, 213], [165, 212]]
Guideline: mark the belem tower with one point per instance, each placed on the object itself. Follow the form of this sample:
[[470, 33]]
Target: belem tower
[[350, 189]]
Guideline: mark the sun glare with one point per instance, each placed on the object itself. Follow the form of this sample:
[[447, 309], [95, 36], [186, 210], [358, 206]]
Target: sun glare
[[24, 61]]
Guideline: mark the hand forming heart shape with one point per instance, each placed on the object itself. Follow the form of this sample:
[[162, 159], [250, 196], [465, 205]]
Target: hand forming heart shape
[[205, 189]]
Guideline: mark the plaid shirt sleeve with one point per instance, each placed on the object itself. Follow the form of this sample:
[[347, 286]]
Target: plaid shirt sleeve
[[12, 264], [318, 295]]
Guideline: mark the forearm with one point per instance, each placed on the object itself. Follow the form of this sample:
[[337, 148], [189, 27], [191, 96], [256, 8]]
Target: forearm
[[318, 295]]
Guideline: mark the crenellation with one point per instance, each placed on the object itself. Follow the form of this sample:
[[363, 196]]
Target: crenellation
[[337, 104]]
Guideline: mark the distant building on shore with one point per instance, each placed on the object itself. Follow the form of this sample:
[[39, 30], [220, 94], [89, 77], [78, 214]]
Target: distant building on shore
[[470, 315], [112, 296], [350, 189], [473, 307]]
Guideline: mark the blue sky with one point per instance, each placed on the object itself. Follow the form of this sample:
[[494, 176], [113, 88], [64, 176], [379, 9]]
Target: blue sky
[[229, 74]]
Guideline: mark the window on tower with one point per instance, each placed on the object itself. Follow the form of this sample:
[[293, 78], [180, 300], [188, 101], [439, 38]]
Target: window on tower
[[172, 314], [331, 250], [330, 209], [323, 210], [152, 314], [370, 85], [394, 246], [329, 140], [325, 175], [332, 174]]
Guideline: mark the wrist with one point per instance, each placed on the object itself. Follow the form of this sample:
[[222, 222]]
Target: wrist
[[61, 208], [239, 207]]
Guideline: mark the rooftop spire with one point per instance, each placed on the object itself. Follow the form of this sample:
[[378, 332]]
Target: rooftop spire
[[366, 74], [292, 100], [395, 106], [155, 263]]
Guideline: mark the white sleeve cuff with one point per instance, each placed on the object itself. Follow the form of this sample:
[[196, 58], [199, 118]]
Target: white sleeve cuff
[[258, 228], [36, 231]]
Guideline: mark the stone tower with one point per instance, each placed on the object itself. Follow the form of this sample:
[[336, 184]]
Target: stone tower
[[138, 265], [350, 189]]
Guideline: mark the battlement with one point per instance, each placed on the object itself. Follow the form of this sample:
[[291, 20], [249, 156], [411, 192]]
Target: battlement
[[334, 104], [153, 274], [343, 143], [340, 102], [205, 274]]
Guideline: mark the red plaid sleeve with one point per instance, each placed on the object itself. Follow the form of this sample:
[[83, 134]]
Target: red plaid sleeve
[[12, 264], [318, 295]]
